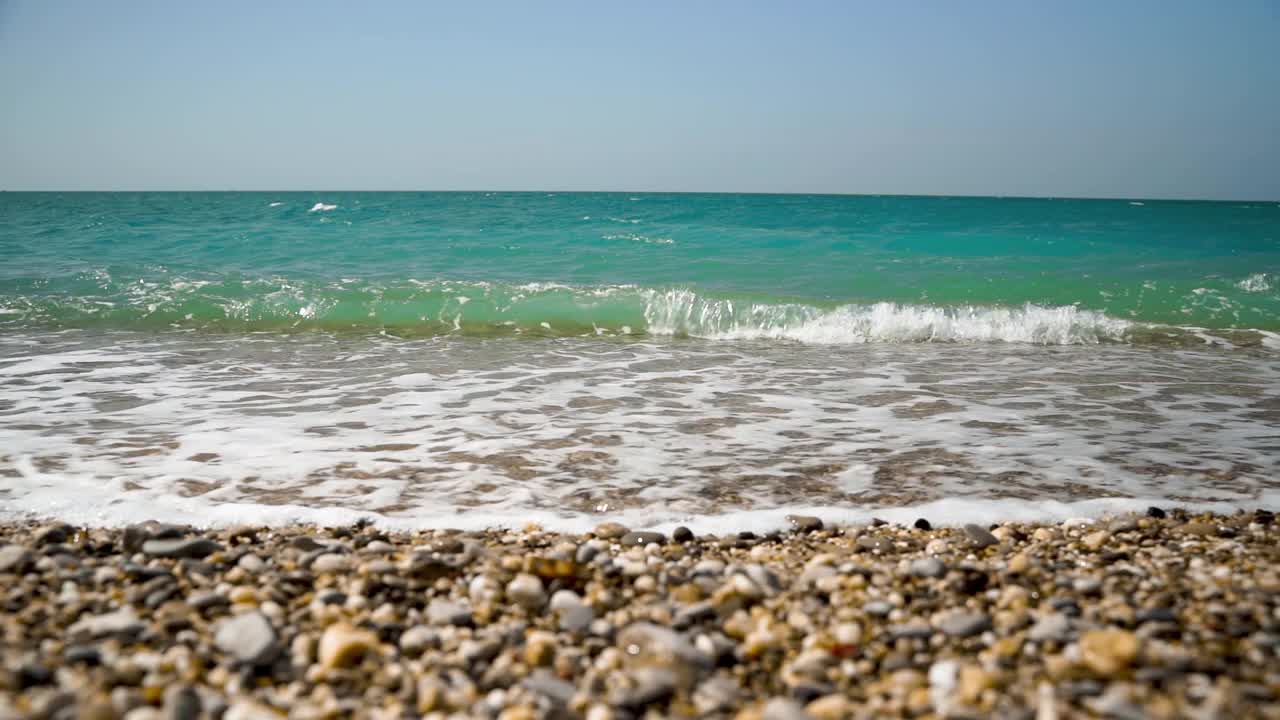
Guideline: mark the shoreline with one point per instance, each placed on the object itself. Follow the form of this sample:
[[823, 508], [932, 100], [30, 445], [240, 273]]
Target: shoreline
[[1142, 615]]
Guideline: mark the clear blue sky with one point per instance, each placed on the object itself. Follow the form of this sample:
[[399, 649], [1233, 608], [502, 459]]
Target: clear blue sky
[[1080, 98]]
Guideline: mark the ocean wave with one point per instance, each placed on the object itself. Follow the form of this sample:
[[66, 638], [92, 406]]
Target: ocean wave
[[682, 312], [437, 307]]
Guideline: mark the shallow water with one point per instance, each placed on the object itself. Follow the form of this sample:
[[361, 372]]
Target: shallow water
[[111, 427]]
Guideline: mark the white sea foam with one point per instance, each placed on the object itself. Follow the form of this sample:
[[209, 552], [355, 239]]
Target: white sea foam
[[321, 207], [464, 432], [682, 312], [274, 204], [1256, 283]]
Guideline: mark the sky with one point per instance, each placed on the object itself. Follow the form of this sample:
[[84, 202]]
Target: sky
[[1124, 98]]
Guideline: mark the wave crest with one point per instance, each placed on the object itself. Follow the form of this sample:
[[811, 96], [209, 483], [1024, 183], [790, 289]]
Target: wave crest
[[683, 312]]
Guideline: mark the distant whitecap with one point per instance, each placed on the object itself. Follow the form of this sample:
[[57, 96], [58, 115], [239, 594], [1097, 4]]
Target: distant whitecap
[[321, 207]]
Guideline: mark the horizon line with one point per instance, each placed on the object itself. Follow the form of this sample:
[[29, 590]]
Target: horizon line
[[972, 196]]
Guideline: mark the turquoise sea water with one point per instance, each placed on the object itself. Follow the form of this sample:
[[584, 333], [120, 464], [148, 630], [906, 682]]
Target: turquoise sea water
[[705, 265], [469, 359]]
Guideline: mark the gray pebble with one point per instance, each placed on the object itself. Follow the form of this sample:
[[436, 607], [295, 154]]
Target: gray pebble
[[651, 686], [251, 563], [444, 612], [913, 630], [878, 608], [645, 640], [249, 638], [928, 567], [965, 624], [980, 536], [577, 619], [181, 703], [181, 547], [694, 614], [546, 684], [415, 640], [642, 538], [121, 624], [586, 553], [1055, 627], [527, 591], [15, 559], [804, 523], [1087, 585], [710, 568]]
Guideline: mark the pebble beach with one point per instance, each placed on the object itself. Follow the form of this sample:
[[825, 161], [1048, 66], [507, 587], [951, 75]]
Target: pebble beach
[[1162, 615]]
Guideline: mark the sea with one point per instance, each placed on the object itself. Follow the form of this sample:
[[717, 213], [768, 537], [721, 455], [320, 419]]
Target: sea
[[721, 361]]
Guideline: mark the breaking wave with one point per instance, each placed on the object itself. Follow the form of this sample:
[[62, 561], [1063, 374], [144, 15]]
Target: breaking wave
[[439, 307]]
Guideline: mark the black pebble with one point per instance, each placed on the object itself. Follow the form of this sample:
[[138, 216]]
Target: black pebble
[[682, 534], [922, 524], [1156, 513], [82, 654]]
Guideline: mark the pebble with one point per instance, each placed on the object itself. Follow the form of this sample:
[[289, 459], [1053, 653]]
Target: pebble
[[249, 638], [804, 523], [415, 640], [641, 538], [251, 563], [577, 619], [1158, 619], [784, 709], [445, 612], [830, 707], [330, 563], [82, 654], [1107, 652], [1087, 585], [928, 567], [15, 559], [610, 530], [922, 524], [196, 547], [878, 608], [181, 702], [649, 686], [250, 710], [1055, 627], [964, 624], [342, 645], [912, 630], [527, 592], [645, 643], [123, 624], [546, 684], [682, 534], [980, 536], [1096, 540], [715, 695], [1159, 614]]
